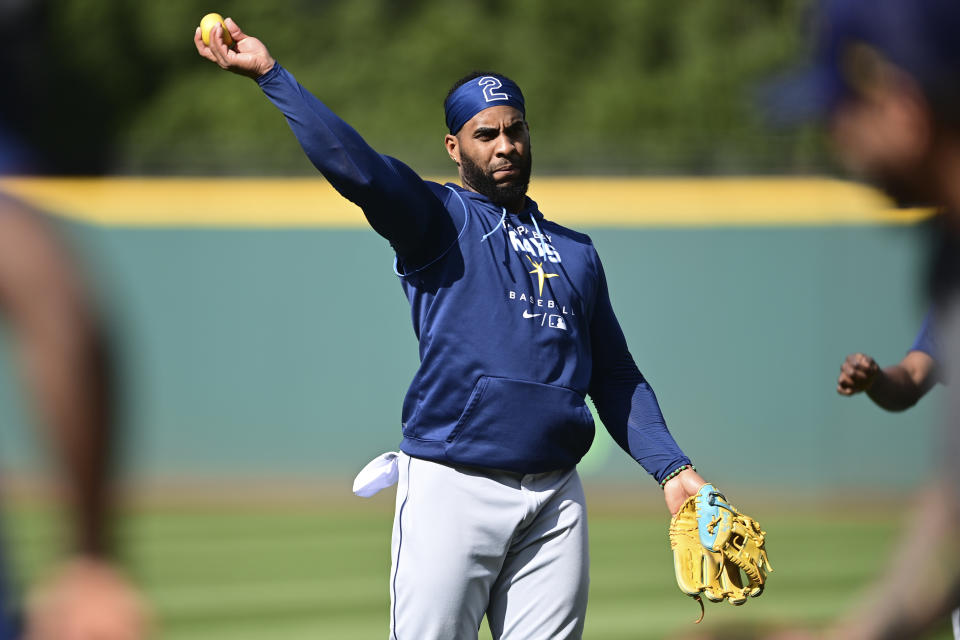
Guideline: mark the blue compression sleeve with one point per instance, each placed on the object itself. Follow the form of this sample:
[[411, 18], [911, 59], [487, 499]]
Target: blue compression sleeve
[[398, 204], [625, 401]]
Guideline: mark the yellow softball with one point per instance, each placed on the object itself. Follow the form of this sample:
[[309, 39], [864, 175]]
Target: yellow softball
[[206, 26]]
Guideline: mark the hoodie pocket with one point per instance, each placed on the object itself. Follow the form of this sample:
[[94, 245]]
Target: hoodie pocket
[[523, 426]]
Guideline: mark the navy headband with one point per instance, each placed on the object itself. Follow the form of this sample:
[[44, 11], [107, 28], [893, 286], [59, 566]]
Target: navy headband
[[478, 94]]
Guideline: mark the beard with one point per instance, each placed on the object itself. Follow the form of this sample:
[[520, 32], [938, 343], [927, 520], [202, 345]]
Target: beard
[[499, 193]]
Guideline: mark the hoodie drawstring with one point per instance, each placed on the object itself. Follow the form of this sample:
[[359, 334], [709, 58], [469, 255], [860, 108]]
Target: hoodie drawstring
[[503, 217], [533, 217], [543, 240]]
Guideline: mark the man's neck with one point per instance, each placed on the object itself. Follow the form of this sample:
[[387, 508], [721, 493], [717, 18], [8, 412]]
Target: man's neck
[[514, 207]]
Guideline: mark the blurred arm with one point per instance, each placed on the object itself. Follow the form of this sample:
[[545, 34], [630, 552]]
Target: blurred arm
[[922, 583], [901, 386], [628, 407], [893, 388], [65, 363]]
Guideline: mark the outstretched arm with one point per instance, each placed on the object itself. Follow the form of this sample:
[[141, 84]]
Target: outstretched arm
[[629, 409], [396, 201], [893, 388]]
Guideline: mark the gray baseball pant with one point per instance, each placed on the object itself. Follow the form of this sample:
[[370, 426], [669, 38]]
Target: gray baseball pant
[[469, 542]]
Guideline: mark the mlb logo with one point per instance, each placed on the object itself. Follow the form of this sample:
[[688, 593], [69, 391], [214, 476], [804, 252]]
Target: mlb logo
[[557, 322]]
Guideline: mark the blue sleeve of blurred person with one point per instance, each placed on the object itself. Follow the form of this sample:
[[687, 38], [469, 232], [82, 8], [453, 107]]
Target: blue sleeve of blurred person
[[926, 340], [397, 203], [624, 399]]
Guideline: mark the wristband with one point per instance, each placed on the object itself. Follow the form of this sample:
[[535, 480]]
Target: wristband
[[673, 474]]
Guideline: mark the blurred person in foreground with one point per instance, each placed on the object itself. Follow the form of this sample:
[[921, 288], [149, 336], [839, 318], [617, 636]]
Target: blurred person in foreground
[[886, 80], [64, 359]]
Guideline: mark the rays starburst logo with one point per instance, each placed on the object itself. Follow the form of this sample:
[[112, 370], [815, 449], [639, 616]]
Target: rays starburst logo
[[541, 276]]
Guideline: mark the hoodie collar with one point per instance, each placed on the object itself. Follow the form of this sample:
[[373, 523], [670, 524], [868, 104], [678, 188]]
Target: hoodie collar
[[529, 209]]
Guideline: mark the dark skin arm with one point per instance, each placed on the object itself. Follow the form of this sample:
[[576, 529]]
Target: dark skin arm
[[63, 353], [63, 357], [893, 388]]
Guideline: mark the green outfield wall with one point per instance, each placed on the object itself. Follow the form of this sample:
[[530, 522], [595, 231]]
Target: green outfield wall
[[286, 351]]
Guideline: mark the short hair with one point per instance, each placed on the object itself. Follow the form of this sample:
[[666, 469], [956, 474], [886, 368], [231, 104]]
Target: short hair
[[471, 76]]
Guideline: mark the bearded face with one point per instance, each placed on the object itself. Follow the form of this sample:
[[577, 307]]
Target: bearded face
[[504, 183], [493, 151]]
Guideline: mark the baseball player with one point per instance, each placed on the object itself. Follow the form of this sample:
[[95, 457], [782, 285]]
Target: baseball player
[[515, 328], [885, 78], [63, 352]]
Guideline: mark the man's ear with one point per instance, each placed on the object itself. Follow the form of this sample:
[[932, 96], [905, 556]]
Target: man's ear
[[453, 147]]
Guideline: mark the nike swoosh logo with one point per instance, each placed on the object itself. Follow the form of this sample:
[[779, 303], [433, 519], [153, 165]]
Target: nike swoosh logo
[[527, 314]]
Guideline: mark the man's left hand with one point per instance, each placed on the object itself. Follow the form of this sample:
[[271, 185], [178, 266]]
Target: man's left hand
[[687, 483]]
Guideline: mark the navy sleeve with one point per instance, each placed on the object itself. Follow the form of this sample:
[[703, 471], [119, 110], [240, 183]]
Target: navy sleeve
[[397, 203], [926, 340], [625, 401]]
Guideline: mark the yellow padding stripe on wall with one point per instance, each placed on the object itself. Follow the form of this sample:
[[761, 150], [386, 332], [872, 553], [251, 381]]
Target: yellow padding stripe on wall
[[579, 202]]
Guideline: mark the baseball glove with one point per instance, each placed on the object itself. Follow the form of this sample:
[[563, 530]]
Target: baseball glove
[[712, 543]]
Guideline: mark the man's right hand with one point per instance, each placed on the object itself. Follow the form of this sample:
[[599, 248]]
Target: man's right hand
[[857, 373], [250, 58]]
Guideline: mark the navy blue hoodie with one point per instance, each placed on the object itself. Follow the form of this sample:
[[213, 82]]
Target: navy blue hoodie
[[511, 312]]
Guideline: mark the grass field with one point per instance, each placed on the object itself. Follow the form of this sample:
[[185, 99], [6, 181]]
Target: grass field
[[248, 572]]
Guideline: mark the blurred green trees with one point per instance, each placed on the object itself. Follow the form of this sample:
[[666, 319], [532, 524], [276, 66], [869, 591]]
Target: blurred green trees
[[612, 86]]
